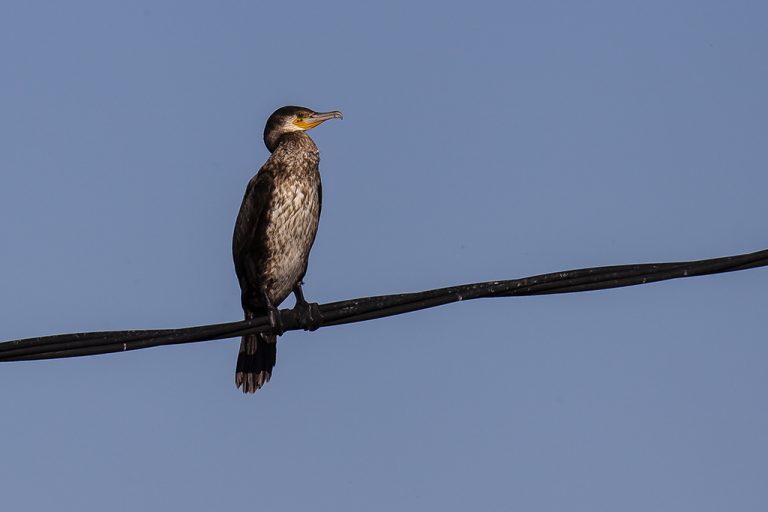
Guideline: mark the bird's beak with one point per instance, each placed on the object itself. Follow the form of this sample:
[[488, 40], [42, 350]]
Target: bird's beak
[[316, 118]]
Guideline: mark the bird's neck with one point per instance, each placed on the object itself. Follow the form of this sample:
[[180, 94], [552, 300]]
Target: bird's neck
[[298, 141]]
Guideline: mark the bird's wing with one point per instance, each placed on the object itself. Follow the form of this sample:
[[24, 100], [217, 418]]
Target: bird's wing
[[252, 211]]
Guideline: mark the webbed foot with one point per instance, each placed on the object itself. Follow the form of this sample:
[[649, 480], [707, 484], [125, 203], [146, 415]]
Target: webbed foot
[[307, 313], [275, 321]]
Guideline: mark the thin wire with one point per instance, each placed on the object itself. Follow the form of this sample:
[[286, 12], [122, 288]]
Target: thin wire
[[368, 308]]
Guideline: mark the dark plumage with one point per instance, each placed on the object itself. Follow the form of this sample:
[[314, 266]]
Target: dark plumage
[[274, 233]]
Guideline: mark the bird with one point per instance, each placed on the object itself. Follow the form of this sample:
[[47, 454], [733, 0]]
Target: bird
[[274, 232]]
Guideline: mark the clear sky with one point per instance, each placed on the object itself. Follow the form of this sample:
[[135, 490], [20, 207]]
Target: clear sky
[[480, 141]]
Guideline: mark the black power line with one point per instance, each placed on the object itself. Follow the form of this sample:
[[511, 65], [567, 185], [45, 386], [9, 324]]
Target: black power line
[[368, 308]]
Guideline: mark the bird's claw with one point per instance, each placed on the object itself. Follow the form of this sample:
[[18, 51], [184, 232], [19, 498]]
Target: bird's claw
[[308, 315]]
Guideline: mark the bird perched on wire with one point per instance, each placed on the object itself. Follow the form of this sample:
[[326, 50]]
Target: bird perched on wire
[[273, 235]]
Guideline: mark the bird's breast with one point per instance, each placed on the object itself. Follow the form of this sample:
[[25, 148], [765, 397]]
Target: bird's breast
[[292, 222]]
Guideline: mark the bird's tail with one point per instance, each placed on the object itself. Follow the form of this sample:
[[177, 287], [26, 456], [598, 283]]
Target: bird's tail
[[257, 357]]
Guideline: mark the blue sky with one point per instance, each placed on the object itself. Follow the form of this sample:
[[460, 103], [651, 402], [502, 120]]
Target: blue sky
[[480, 141]]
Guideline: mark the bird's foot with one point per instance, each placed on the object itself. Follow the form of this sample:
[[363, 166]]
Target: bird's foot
[[275, 321], [308, 315]]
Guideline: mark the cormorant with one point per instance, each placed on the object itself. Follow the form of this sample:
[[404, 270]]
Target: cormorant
[[274, 233]]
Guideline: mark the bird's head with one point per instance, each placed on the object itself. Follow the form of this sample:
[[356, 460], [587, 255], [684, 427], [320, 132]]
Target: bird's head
[[293, 119]]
